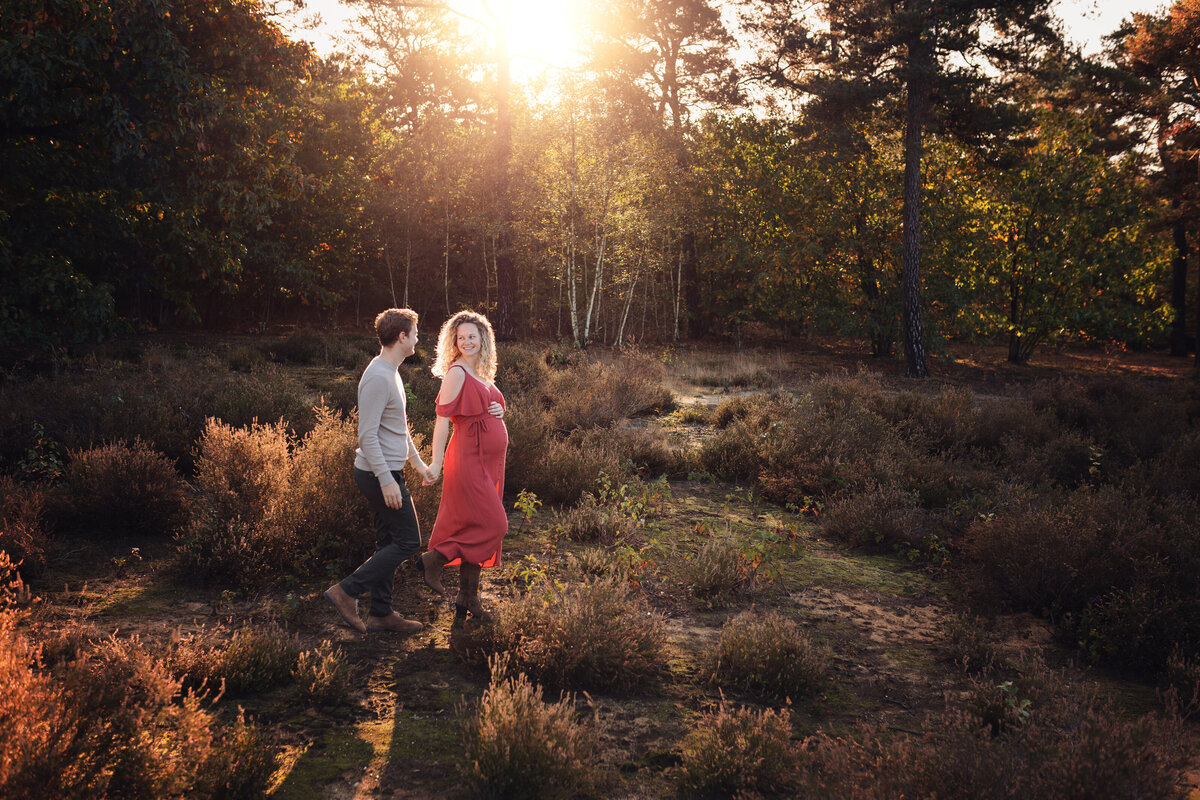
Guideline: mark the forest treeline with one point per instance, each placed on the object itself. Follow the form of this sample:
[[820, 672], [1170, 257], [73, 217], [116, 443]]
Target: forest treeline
[[908, 173]]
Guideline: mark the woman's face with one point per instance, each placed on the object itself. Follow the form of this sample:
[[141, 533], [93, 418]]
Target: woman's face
[[468, 340]]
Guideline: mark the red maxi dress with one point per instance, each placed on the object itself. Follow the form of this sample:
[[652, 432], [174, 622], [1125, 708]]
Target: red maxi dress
[[471, 521]]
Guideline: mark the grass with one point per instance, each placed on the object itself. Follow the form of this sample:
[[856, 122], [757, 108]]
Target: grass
[[396, 723]]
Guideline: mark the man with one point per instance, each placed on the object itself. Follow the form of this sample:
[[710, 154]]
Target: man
[[385, 445]]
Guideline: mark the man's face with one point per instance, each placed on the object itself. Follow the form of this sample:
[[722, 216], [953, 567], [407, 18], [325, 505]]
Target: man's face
[[408, 342]]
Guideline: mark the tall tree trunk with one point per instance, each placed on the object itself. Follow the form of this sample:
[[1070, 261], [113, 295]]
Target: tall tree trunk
[[1180, 342], [919, 58], [504, 321], [446, 257]]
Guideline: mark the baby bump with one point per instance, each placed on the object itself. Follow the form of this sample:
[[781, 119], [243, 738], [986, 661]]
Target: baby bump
[[494, 441]]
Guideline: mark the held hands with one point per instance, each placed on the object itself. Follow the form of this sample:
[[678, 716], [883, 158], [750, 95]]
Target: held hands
[[496, 410], [432, 473]]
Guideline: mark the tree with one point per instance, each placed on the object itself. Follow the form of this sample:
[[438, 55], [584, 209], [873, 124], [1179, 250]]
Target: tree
[[1154, 86], [1064, 245], [860, 54], [677, 52], [140, 158]]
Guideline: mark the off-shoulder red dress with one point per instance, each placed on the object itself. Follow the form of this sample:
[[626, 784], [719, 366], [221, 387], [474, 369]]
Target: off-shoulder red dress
[[471, 521]]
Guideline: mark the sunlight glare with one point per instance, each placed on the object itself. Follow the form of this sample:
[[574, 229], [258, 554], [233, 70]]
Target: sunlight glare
[[543, 34]]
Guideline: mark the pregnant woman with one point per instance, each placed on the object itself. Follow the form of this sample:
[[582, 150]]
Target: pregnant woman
[[471, 522]]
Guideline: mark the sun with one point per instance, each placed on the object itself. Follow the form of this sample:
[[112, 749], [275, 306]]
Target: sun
[[542, 34]]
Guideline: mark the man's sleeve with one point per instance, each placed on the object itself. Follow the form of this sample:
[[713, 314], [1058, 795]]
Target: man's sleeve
[[372, 400]]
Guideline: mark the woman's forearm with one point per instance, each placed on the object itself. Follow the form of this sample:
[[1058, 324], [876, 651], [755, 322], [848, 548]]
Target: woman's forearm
[[441, 434]]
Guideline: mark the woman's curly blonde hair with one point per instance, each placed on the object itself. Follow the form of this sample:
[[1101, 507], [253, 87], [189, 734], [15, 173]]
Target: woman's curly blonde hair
[[447, 346]]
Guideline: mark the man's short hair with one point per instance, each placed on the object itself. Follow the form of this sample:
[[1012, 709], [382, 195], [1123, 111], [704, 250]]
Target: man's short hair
[[393, 322]]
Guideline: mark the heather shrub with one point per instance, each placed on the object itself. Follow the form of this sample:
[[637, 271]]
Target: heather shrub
[[322, 675], [879, 517], [969, 646], [120, 488], [1115, 570], [23, 534], [1067, 746], [1120, 414], [307, 346], [116, 724], [242, 471], [164, 400], [519, 746], [739, 753], [245, 359], [1173, 473], [272, 505], [598, 394], [586, 636], [767, 655], [324, 516], [588, 521], [649, 450], [721, 571], [815, 445], [594, 562], [521, 371], [558, 470], [250, 659]]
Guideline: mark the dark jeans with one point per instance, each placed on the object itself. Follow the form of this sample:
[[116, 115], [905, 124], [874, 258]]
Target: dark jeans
[[397, 536]]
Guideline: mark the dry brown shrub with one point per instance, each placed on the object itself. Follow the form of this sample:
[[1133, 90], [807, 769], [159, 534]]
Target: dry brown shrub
[[877, 518], [23, 533], [249, 659], [120, 488], [1072, 745], [597, 635], [519, 746], [739, 753], [274, 506], [114, 723], [323, 675], [323, 513], [722, 571], [648, 449], [588, 521], [768, 655], [242, 471], [598, 394]]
